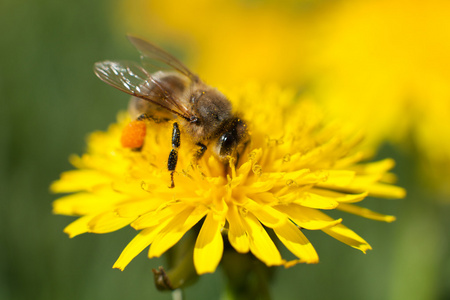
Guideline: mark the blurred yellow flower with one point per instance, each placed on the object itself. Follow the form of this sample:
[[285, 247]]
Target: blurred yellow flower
[[296, 166], [381, 64], [389, 62], [230, 41]]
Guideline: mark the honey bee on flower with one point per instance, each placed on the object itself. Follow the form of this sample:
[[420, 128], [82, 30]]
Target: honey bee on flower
[[204, 112]]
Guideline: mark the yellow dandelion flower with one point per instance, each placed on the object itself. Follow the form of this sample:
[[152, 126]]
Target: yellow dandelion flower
[[296, 167]]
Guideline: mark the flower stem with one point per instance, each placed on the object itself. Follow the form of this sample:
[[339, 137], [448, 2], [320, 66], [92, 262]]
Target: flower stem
[[246, 276]]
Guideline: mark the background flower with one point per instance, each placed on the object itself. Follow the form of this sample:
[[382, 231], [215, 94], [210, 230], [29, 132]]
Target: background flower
[[388, 61]]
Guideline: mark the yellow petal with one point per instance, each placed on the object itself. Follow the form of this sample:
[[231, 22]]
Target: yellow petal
[[313, 200], [236, 233], [307, 218], [85, 203], [376, 167], [135, 187], [175, 229], [78, 226], [107, 222], [264, 198], [364, 212], [292, 237], [136, 245], [219, 207], [303, 176], [208, 248], [267, 215], [339, 177], [345, 162], [368, 184], [260, 186], [155, 217], [386, 190], [261, 244], [340, 197], [79, 180], [138, 207], [347, 236]]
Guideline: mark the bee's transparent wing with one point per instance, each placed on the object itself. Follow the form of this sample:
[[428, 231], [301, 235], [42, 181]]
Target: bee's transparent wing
[[133, 79], [151, 53]]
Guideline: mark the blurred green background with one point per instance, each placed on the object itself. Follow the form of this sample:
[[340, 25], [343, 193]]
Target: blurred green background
[[50, 100]]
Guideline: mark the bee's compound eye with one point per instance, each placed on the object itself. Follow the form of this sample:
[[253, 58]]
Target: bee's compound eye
[[133, 134]]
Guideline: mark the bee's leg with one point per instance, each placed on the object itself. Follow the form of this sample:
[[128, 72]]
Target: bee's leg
[[144, 116], [200, 151], [173, 156], [137, 149]]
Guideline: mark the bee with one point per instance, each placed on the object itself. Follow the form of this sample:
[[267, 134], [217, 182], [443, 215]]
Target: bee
[[173, 92]]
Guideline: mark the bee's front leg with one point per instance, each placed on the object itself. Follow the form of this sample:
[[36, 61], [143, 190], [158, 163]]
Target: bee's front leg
[[173, 156], [200, 151]]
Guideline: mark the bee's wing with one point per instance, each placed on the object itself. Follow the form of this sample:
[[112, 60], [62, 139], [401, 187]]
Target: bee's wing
[[151, 53], [133, 79]]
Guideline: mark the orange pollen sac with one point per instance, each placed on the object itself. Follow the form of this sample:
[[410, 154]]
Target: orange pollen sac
[[133, 134]]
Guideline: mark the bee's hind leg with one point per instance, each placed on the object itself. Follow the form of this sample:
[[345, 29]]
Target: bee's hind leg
[[146, 117], [173, 156]]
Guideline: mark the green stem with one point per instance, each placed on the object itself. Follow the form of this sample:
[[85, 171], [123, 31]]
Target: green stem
[[177, 294], [247, 277]]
